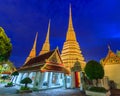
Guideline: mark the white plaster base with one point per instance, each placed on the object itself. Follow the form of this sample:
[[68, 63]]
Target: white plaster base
[[91, 93]]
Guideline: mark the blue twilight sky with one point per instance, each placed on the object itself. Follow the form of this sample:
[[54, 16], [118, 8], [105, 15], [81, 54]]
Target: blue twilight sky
[[96, 23]]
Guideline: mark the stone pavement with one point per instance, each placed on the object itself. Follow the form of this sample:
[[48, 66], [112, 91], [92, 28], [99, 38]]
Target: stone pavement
[[7, 90], [11, 91]]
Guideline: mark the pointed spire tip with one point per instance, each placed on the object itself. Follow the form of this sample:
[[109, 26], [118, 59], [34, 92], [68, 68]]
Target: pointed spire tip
[[109, 47]]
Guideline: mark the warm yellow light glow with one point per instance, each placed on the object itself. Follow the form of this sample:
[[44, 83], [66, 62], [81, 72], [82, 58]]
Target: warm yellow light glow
[[71, 50]]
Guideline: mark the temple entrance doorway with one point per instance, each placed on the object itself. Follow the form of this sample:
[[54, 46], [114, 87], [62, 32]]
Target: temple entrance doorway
[[75, 74]]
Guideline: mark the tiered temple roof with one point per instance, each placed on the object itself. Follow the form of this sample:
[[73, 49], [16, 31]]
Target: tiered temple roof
[[47, 62]]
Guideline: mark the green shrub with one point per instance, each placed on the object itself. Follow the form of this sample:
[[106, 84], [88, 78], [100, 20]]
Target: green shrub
[[26, 81], [97, 89], [94, 71], [5, 77], [24, 88], [10, 84]]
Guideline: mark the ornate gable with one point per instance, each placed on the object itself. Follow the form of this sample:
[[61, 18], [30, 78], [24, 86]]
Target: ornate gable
[[55, 57], [111, 58]]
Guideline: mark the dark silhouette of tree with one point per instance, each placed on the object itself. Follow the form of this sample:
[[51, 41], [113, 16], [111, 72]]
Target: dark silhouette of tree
[[94, 70], [26, 81]]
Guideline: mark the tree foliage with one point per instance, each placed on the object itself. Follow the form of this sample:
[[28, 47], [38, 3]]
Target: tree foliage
[[94, 70], [26, 81], [5, 46]]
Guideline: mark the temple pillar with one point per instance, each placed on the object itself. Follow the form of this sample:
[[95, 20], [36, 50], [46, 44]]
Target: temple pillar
[[14, 79], [19, 78], [37, 79], [41, 79], [81, 81], [30, 75], [73, 80], [45, 77], [25, 75], [50, 79], [76, 80], [60, 79], [33, 77], [65, 80], [62, 75]]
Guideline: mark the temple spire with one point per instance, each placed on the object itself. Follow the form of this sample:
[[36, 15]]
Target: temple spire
[[71, 49], [46, 45], [32, 53], [109, 47], [70, 33]]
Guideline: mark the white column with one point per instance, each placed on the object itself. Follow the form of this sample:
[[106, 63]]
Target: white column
[[25, 75], [30, 75], [81, 82], [72, 80], [19, 78], [42, 79], [45, 77], [14, 79], [33, 77], [62, 82], [60, 79], [50, 79], [65, 80], [37, 80]]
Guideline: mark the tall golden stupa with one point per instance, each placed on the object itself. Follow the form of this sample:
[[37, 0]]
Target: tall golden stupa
[[71, 49]]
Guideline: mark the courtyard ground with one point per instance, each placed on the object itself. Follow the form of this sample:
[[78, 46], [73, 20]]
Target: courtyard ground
[[11, 91]]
